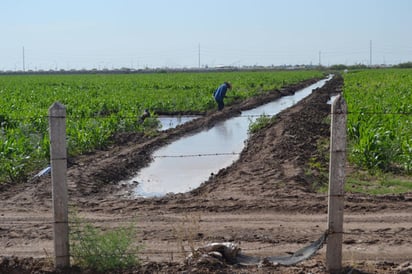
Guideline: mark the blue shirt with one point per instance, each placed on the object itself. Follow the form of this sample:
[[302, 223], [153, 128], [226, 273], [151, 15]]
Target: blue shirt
[[220, 92]]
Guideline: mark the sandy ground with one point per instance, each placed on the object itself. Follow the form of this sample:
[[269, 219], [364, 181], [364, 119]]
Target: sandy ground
[[264, 202]]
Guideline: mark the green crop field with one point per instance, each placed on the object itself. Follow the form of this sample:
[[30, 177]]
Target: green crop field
[[100, 105], [380, 118]]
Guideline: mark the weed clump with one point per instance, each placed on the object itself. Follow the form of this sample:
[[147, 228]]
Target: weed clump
[[93, 248]]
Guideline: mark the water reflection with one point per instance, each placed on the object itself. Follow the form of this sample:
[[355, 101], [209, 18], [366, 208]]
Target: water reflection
[[168, 122]]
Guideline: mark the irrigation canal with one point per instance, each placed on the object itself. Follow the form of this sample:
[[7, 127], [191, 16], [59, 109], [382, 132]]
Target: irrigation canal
[[184, 164]]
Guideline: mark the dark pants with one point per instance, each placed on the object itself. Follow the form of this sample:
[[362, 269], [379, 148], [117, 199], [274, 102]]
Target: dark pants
[[220, 104]]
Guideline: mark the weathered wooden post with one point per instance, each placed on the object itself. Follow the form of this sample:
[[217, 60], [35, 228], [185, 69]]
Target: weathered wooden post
[[336, 182], [58, 157]]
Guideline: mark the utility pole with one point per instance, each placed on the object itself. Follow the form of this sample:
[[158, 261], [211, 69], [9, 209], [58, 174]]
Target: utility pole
[[199, 54], [370, 53], [320, 63], [24, 66]]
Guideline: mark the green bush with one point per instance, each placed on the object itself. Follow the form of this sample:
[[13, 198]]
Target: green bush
[[93, 248]]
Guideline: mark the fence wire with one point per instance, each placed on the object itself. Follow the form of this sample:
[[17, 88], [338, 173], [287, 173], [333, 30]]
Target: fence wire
[[77, 117], [197, 155], [6, 222]]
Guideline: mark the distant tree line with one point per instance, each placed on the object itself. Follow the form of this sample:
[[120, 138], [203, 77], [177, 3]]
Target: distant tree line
[[362, 66], [226, 69], [404, 65]]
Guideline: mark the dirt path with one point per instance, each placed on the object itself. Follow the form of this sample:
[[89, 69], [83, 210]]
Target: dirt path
[[264, 202]]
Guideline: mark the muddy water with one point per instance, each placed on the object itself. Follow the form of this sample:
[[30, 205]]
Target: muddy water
[[168, 122], [184, 164]]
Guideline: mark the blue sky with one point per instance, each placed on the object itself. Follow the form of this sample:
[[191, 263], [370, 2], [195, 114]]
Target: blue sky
[[75, 34]]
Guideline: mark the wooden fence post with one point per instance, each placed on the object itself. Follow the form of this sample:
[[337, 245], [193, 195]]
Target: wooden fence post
[[336, 182], [58, 157]]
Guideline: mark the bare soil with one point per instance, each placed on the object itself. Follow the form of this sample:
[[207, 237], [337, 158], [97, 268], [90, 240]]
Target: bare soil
[[265, 202]]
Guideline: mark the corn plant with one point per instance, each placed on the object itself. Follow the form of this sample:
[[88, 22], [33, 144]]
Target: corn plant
[[380, 118]]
